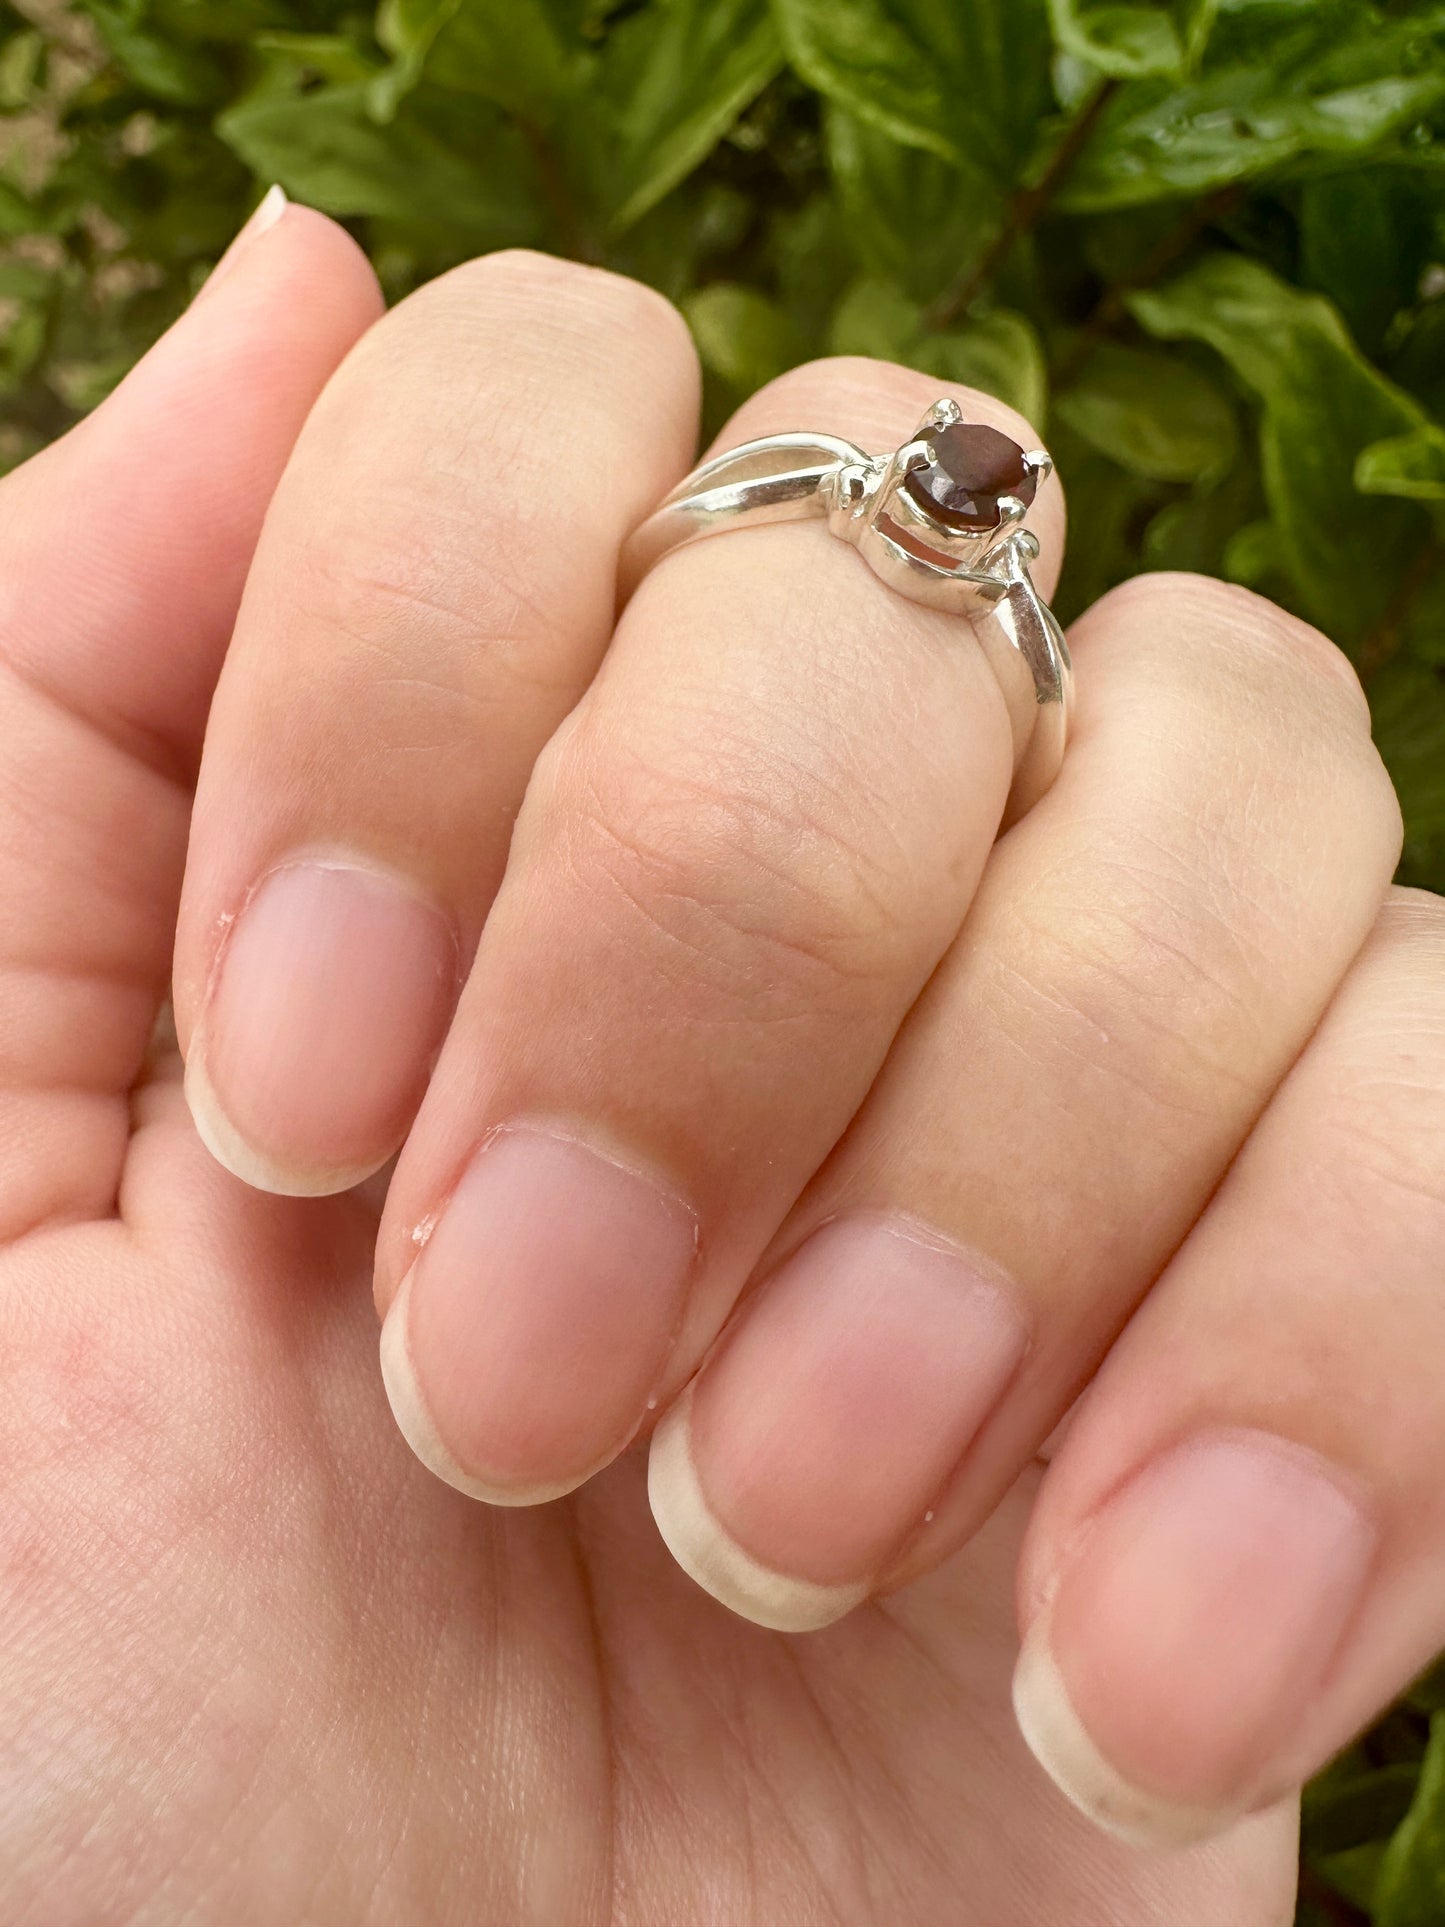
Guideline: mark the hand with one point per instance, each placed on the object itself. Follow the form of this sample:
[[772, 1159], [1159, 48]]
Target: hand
[[720, 1029]]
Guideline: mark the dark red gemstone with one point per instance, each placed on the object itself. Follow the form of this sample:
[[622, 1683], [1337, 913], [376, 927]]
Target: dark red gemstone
[[972, 467]]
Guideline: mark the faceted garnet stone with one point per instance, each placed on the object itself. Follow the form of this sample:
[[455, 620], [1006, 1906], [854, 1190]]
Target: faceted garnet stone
[[972, 467]]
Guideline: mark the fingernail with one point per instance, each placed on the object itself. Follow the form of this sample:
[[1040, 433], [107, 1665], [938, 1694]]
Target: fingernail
[[816, 1440], [264, 216], [520, 1352], [326, 1008], [1201, 1611]]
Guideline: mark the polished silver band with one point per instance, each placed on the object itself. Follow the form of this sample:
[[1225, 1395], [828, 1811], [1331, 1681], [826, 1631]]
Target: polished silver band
[[973, 562]]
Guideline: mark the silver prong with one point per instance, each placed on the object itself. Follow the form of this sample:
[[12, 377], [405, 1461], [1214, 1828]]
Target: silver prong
[[943, 414], [1040, 464], [1011, 510], [1023, 542]]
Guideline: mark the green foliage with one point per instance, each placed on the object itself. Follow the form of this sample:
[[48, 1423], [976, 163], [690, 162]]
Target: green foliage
[[1200, 242]]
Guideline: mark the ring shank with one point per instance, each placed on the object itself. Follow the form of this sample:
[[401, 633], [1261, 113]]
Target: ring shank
[[794, 478]]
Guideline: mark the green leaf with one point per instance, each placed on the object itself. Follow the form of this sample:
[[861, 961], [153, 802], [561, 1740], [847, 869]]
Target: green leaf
[[1153, 413], [1410, 1888], [1331, 78], [1193, 533], [1411, 465], [512, 52], [742, 337], [1117, 37], [1366, 237], [23, 280], [1354, 1874], [674, 78], [969, 83], [1337, 1814], [876, 318], [18, 213], [1407, 700], [160, 65], [912, 218], [22, 341], [318, 56], [1254, 554], [325, 148], [1427, 1695], [810, 261], [21, 56], [1107, 505], [998, 352], [1418, 363], [1322, 404]]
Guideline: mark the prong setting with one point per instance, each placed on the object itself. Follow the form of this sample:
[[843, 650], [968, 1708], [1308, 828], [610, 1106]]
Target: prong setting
[[938, 519]]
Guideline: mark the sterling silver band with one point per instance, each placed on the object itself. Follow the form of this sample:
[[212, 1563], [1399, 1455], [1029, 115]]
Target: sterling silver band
[[973, 562]]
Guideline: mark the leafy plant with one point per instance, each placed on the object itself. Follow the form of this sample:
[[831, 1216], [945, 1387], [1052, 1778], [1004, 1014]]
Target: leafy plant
[[1200, 242]]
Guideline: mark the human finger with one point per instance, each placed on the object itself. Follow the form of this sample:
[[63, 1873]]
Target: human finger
[[736, 866], [1148, 952], [432, 592], [1239, 1553]]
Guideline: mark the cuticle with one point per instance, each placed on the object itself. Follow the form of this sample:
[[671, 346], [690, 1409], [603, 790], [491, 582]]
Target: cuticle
[[321, 857], [564, 1132], [1356, 1489]]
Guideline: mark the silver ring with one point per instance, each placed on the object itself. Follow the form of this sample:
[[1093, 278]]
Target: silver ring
[[938, 520]]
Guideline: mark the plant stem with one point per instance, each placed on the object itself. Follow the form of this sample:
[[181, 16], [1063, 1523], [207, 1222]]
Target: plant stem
[[1383, 641], [1022, 214], [571, 230]]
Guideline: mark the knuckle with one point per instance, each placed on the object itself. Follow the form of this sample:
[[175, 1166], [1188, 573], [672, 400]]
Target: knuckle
[[1147, 981], [500, 336], [1247, 635], [568, 299], [1248, 680], [742, 886], [1385, 1121], [388, 588], [1380, 1098]]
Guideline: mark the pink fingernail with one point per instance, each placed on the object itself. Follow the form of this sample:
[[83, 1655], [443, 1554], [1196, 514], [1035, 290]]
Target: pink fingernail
[[328, 1004], [521, 1350], [264, 216], [1200, 1613], [815, 1441]]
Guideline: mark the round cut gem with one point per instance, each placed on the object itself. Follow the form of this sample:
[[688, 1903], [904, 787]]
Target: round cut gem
[[972, 467]]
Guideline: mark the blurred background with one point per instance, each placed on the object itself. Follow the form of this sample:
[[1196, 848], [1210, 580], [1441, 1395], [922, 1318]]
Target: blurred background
[[1201, 243]]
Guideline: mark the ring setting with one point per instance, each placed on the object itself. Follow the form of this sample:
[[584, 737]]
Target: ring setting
[[939, 520]]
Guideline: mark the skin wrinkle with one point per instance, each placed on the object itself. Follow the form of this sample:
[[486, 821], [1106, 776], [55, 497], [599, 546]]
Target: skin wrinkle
[[130, 741], [1088, 1042], [762, 811], [387, 548], [813, 951]]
